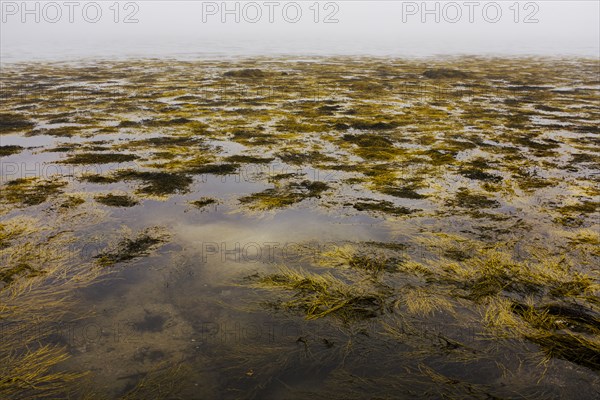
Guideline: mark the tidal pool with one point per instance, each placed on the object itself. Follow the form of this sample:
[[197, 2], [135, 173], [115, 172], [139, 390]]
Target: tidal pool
[[273, 228]]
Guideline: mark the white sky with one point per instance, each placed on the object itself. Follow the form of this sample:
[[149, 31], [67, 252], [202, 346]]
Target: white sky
[[176, 28]]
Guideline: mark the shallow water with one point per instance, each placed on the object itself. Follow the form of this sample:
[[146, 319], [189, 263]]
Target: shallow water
[[446, 183]]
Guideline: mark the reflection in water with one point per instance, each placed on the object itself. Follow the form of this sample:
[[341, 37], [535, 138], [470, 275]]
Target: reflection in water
[[373, 241]]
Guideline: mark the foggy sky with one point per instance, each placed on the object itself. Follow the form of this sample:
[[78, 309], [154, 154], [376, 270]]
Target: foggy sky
[[176, 28]]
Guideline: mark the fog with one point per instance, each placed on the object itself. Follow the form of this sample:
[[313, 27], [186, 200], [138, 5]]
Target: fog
[[196, 29]]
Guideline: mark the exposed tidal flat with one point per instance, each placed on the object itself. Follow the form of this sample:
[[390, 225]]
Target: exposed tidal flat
[[277, 228]]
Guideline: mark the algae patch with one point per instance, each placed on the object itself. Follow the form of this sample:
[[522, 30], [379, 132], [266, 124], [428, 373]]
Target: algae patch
[[99, 158], [116, 200], [128, 249], [284, 195], [31, 191], [10, 150]]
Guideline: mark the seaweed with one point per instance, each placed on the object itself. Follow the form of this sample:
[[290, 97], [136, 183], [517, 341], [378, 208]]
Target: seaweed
[[465, 199], [246, 73], [203, 202], [14, 123], [479, 175], [9, 275], [283, 196], [99, 158], [321, 295], [245, 159], [128, 249], [403, 192], [445, 73], [31, 191], [303, 158], [10, 150], [157, 183], [215, 169], [116, 200], [383, 206], [71, 202]]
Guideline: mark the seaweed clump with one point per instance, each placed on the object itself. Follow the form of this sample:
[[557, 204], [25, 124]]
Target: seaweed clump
[[22, 269], [116, 200], [445, 73], [10, 150], [130, 248], [246, 73], [71, 202], [283, 196], [99, 158], [157, 183], [383, 206], [321, 295], [406, 192], [215, 169], [31, 191], [373, 146], [14, 122], [203, 202], [465, 199], [246, 159]]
